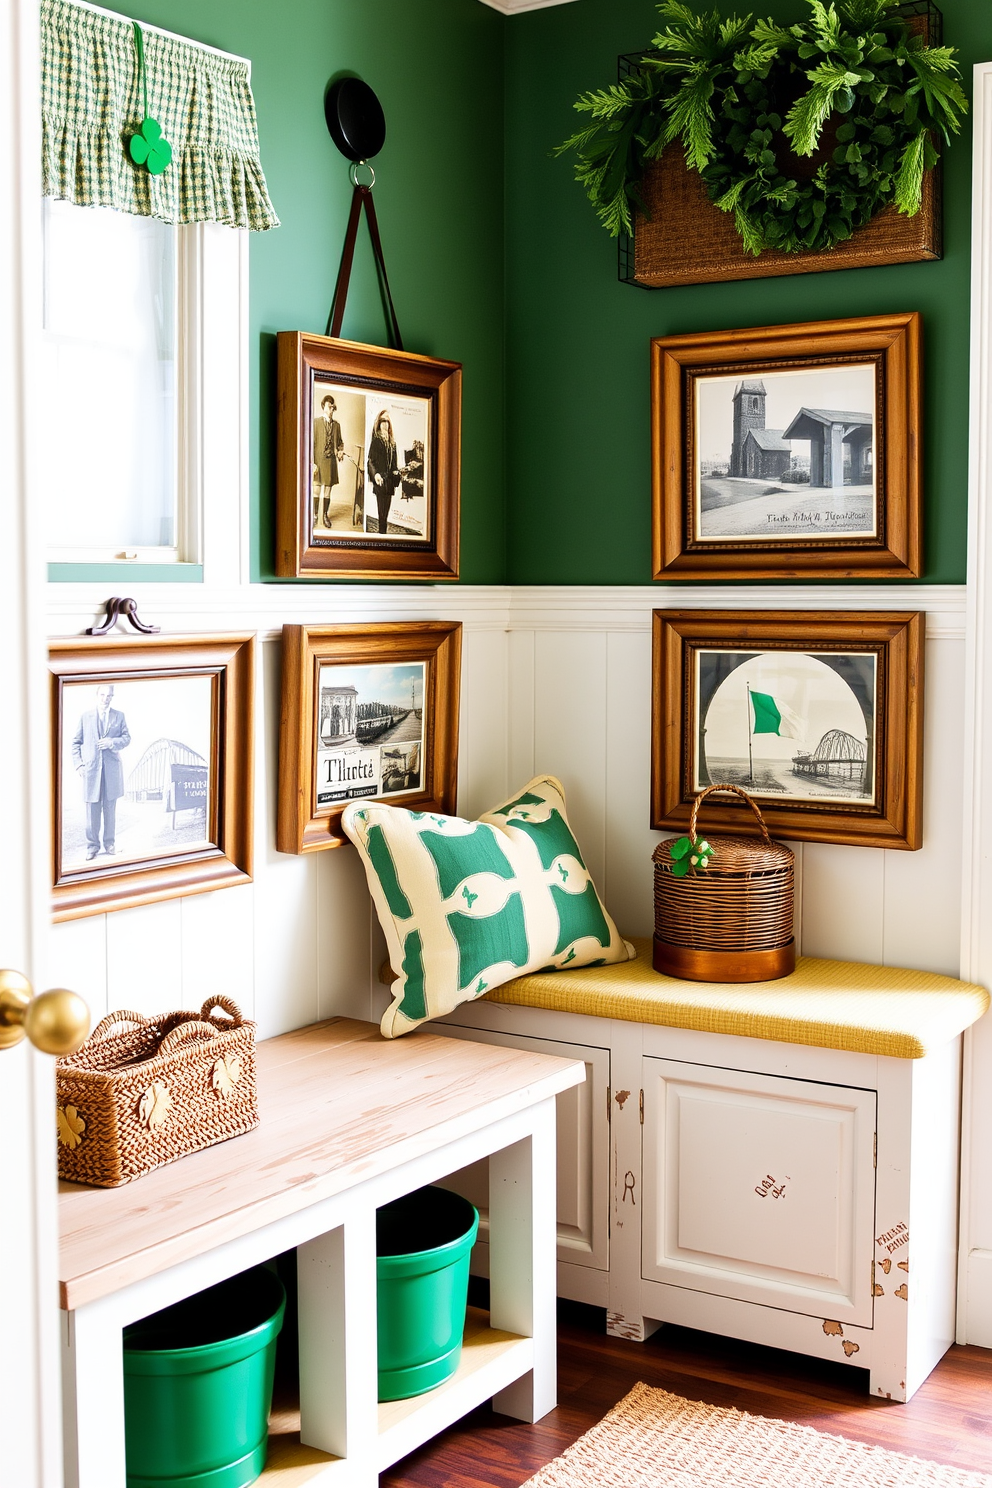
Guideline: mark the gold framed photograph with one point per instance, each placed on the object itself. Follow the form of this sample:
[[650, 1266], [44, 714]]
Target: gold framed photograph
[[818, 716], [152, 755], [788, 452], [368, 459], [367, 711]]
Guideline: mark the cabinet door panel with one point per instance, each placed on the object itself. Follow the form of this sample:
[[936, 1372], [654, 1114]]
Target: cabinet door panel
[[583, 1152], [759, 1188]]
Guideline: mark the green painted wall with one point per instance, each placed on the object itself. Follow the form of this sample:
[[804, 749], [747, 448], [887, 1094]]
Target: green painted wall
[[578, 458], [437, 66]]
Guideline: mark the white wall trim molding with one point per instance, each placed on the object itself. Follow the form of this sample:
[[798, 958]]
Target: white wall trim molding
[[572, 607], [975, 1272], [620, 607], [516, 7], [265, 608]]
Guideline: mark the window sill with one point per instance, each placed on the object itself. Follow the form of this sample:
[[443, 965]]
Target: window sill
[[122, 574]]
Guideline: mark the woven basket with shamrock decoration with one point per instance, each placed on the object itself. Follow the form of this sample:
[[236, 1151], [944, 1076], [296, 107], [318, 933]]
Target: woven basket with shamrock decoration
[[143, 1091], [723, 906]]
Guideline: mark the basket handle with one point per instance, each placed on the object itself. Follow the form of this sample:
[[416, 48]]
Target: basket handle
[[186, 1033], [226, 1005], [737, 792], [122, 1015]]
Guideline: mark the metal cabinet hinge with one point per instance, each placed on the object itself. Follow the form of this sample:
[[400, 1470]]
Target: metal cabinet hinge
[[874, 1149], [609, 1108], [641, 1105]]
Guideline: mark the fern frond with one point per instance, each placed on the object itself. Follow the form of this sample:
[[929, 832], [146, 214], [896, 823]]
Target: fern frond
[[691, 117], [605, 102], [770, 34], [908, 190], [809, 113], [756, 58]]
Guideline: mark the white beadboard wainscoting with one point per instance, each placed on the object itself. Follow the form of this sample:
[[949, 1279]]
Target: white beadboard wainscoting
[[555, 679]]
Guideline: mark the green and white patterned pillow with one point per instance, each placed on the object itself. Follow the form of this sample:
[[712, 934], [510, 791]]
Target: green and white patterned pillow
[[468, 905]]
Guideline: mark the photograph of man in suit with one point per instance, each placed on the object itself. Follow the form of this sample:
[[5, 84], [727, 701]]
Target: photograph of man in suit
[[96, 753]]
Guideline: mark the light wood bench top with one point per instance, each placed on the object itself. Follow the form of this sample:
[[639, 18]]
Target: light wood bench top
[[829, 1004], [338, 1105]]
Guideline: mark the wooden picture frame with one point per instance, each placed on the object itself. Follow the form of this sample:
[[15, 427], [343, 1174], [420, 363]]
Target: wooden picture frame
[[181, 708], [846, 764], [340, 473], [840, 498], [350, 731]]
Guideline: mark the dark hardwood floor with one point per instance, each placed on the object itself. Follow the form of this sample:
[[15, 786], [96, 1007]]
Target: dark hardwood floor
[[948, 1420]]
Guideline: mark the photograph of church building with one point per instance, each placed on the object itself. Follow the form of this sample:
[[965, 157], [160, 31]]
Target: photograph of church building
[[786, 453]]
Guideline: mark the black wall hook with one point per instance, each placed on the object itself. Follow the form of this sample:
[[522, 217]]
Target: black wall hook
[[121, 609], [355, 120]]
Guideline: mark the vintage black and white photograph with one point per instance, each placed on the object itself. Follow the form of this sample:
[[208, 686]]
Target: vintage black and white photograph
[[370, 732], [786, 454], [368, 461], [135, 770], [152, 758], [817, 714], [788, 451], [371, 459], [797, 725]]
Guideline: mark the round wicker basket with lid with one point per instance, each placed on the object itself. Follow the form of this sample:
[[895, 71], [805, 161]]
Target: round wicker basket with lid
[[730, 921]]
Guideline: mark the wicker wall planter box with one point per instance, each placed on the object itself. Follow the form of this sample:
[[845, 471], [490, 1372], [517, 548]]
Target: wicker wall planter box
[[685, 239]]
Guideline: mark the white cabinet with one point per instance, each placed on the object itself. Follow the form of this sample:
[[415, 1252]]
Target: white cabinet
[[583, 1166], [759, 1188], [794, 1196]]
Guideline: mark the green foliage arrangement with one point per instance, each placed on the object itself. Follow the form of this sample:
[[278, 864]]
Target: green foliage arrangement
[[746, 97]]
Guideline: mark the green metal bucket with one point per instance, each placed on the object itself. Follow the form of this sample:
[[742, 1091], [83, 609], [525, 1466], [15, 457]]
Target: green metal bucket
[[198, 1386], [423, 1244]]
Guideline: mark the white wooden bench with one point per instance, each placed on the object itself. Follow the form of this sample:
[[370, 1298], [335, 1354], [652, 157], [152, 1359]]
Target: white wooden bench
[[349, 1121]]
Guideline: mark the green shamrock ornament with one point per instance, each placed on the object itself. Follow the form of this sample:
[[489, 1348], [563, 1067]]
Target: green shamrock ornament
[[150, 148], [689, 857]]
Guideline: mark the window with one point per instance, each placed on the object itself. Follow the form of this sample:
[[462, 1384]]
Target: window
[[111, 476]]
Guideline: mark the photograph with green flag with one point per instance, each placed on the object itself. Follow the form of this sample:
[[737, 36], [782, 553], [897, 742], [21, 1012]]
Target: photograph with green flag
[[797, 724], [816, 713]]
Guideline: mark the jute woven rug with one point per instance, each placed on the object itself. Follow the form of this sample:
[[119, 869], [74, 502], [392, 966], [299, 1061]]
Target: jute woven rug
[[652, 1439]]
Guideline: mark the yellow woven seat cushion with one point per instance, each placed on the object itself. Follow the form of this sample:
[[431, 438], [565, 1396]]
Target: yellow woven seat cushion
[[828, 1004]]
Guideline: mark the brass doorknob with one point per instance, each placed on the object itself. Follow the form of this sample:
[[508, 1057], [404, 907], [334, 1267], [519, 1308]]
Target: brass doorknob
[[56, 1022]]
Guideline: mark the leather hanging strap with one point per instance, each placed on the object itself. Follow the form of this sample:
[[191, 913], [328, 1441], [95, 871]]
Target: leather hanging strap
[[362, 198]]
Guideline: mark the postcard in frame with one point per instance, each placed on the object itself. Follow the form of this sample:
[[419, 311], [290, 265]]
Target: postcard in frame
[[368, 711], [789, 451], [152, 747], [817, 716], [368, 461]]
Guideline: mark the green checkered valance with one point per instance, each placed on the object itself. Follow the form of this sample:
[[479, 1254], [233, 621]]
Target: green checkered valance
[[92, 104]]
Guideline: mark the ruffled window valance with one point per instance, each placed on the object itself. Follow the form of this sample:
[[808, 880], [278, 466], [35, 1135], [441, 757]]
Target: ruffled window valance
[[92, 103]]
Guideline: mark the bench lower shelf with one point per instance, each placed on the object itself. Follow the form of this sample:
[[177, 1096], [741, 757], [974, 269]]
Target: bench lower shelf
[[490, 1360]]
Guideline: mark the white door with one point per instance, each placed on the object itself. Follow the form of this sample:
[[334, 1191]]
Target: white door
[[30, 1455], [759, 1188], [583, 1155]]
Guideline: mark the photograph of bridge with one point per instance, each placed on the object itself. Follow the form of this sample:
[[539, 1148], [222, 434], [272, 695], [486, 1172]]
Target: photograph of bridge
[[795, 724], [786, 454]]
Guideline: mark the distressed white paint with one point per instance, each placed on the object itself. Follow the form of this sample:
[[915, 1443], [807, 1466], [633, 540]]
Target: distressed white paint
[[583, 1158], [890, 1307]]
